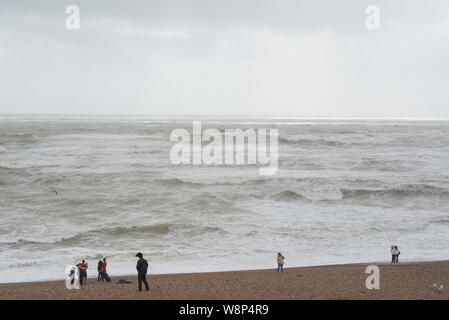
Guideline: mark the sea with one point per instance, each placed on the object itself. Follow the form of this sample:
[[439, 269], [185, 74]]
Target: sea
[[346, 189]]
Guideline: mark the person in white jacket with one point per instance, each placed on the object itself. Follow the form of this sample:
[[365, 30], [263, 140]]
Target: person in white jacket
[[395, 254]]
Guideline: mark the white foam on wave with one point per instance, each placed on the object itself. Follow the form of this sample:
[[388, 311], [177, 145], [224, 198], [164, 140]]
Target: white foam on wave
[[94, 187]]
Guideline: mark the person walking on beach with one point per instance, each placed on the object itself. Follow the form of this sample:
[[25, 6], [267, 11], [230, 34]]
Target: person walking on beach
[[142, 268], [83, 272], [100, 271], [392, 254], [105, 264], [280, 261]]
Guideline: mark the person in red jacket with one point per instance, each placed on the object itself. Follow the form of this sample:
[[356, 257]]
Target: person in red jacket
[[83, 272], [105, 264]]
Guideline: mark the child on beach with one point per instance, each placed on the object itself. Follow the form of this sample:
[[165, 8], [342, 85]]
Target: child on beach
[[280, 261]]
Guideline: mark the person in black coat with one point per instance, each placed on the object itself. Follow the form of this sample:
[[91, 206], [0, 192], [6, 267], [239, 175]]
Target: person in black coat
[[100, 271], [142, 268]]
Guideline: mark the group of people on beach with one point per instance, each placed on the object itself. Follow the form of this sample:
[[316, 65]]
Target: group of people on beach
[[102, 274], [280, 259], [142, 269], [101, 268], [395, 254]]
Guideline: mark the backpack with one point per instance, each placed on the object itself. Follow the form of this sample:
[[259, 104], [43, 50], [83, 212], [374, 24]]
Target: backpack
[[106, 277]]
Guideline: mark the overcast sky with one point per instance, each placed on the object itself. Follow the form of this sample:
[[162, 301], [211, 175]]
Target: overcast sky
[[228, 57]]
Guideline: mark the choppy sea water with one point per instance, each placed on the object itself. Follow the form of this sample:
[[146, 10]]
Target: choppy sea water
[[346, 189]]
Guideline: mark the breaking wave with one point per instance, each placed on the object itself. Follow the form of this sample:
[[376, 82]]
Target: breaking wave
[[310, 142], [334, 194], [112, 233], [398, 192]]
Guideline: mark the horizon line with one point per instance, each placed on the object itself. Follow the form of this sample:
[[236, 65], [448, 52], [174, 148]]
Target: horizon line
[[250, 116]]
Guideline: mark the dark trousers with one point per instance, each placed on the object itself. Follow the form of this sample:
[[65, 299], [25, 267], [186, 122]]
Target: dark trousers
[[83, 275], [142, 277], [100, 276]]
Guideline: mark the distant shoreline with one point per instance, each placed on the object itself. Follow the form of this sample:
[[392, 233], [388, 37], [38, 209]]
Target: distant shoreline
[[409, 280], [113, 116]]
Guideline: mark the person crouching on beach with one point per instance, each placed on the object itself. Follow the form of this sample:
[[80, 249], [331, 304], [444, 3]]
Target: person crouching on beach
[[280, 261], [83, 272], [142, 268], [100, 271]]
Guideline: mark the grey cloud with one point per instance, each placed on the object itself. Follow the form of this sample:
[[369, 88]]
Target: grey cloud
[[225, 57]]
